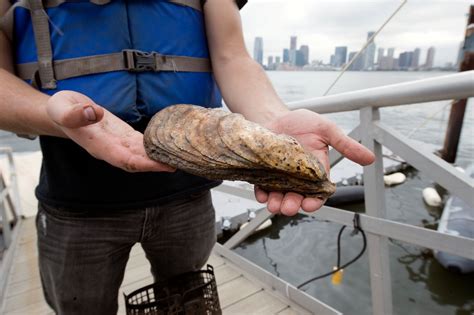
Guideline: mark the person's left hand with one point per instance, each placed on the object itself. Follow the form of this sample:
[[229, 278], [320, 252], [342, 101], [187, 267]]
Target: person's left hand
[[315, 133]]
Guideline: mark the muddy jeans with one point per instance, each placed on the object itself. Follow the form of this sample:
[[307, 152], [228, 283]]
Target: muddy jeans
[[83, 254]]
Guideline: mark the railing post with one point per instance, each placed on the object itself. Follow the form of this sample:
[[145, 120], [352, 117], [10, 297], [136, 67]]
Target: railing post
[[380, 278]]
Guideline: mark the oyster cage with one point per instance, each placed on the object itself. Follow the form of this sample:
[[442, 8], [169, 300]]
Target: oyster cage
[[189, 293]]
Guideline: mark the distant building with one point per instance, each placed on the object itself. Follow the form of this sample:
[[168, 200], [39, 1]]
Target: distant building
[[270, 64], [391, 52], [299, 59], [293, 57], [277, 60], [305, 51], [340, 56], [293, 40], [429, 58], [405, 60], [286, 55], [258, 50], [369, 54], [331, 60], [380, 55], [415, 62], [358, 64]]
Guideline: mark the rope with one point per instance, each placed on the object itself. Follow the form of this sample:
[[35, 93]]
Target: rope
[[427, 119], [365, 46]]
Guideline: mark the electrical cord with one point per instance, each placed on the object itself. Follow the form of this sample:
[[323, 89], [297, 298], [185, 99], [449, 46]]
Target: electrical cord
[[357, 229]]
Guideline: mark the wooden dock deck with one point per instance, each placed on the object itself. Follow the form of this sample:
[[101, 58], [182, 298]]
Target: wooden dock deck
[[238, 294]]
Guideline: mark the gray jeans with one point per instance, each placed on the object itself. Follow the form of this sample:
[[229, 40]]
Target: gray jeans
[[83, 254]]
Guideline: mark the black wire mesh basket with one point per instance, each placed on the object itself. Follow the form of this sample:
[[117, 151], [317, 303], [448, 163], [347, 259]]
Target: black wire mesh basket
[[190, 293]]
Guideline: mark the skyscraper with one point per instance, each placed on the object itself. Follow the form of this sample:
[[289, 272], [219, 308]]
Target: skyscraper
[[340, 56], [405, 60], [415, 62], [358, 64], [258, 50], [380, 55], [286, 55], [391, 52], [299, 59], [390, 62], [293, 40], [430, 58], [305, 51], [369, 54], [270, 62]]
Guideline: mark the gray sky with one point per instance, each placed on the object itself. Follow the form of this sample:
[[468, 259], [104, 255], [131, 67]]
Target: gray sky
[[324, 24]]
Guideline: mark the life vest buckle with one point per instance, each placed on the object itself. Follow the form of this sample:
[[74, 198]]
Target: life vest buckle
[[141, 61]]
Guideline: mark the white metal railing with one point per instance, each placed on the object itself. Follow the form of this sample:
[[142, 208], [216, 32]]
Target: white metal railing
[[8, 195], [374, 135]]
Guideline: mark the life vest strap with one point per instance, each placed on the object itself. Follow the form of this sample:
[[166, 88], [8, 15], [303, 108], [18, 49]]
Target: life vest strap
[[127, 60], [40, 22]]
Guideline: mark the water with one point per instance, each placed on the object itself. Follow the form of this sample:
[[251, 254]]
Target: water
[[299, 248]]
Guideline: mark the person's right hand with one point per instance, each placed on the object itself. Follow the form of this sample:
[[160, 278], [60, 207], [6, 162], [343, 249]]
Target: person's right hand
[[101, 133]]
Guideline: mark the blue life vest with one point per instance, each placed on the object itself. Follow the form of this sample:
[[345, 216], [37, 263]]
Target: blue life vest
[[116, 27]]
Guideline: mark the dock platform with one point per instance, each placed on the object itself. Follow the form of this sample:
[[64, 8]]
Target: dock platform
[[238, 294]]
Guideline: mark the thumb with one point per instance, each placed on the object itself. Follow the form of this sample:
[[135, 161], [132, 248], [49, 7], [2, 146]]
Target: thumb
[[76, 115]]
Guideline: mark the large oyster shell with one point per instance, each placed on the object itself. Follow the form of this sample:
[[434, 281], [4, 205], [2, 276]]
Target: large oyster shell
[[216, 144]]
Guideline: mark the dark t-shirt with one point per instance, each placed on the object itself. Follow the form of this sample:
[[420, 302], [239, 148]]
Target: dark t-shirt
[[72, 179]]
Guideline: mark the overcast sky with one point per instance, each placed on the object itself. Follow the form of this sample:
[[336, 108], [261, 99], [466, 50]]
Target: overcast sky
[[324, 24]]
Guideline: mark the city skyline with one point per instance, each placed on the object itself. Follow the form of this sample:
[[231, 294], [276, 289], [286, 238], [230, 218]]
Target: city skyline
[[368, 60], [323, 25]]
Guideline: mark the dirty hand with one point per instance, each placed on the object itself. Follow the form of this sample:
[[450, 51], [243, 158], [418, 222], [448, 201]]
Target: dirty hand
[[102, 134], [315, 133]]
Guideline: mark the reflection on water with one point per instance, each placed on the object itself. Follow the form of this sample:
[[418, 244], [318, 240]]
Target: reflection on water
[[299, 248]]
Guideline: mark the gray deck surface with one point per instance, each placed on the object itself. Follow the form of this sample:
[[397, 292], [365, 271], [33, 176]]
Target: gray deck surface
[[238, 294]]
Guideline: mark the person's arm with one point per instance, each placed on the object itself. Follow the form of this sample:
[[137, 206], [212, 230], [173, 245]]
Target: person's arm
[[25, 110], [247, 90], [240, 78]]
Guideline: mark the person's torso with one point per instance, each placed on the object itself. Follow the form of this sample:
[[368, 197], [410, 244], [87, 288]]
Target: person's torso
[[70, 177]]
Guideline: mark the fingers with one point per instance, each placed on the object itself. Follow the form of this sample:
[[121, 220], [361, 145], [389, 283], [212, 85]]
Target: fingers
[[290, 203], [260, 194], [312, 204], [348, 147], [137, 163], [274, 201]]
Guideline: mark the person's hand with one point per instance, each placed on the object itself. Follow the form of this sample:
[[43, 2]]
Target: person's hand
[[102, 134], [315, 133]]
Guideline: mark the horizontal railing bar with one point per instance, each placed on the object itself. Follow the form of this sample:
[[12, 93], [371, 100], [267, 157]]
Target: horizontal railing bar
[[453, 86], [241, 235], [457, 245], [273, 282], [334, 156], [437, 169]]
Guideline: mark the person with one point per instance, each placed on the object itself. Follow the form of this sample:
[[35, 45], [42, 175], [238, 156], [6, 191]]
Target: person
[[105, 67]]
